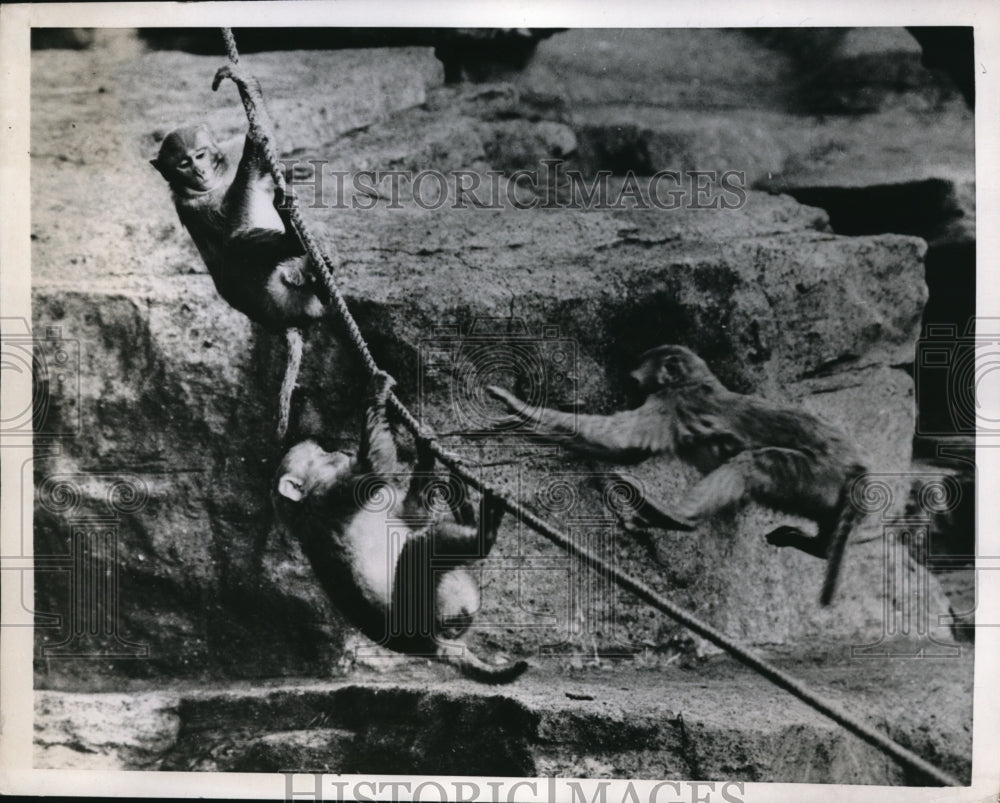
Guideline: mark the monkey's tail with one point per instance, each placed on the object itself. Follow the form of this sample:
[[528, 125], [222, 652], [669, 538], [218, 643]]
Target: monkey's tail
[[477, 669], [293, 361], [847, 516]]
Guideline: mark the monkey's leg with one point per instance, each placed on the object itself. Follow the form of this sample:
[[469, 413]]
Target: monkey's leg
[[774, 476], [729, 484], [415, 505], [458, 500], [456, 543], [466, 542], [661, 517], [788, 478], [787, 535], [830, 542], [490, 515]]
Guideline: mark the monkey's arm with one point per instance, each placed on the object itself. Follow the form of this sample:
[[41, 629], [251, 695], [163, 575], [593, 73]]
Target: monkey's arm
[[377, 453], [627, 436], [250, 201], [249, 88]]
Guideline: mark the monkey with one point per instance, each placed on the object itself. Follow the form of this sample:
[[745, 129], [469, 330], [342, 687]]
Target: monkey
[[238, 220], [395, 571], [745, 447]]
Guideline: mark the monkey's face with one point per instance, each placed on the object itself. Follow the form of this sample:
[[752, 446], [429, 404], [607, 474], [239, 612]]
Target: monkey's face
[[308, 469], [190, 159], [669, 366]]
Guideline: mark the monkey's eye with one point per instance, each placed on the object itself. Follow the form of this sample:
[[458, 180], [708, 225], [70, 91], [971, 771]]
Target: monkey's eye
[[200, 154], [185, 162], [669, 370]]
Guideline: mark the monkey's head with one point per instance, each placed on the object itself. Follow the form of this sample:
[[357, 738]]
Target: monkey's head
[[670, 366], [190, 160], [308, 469]]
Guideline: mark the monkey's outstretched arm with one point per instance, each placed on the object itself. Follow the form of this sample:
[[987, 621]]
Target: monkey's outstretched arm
[[377, 453], [417, 504], [250, 200], [249, 88], [623, 437]]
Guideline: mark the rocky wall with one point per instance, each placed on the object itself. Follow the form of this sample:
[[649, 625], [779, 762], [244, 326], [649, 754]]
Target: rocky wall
[[170, 426]]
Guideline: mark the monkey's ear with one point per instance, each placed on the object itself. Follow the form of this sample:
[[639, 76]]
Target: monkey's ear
[[290, 487], [156, 163]]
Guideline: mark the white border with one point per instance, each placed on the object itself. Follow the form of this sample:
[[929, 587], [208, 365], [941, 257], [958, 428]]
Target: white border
[[16, 696]]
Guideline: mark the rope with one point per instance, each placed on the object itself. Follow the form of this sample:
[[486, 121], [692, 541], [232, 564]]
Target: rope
[[325, 268]]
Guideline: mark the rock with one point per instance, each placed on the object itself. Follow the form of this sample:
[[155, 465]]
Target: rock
[[173, 386], [103, 731], [897, 171], [157, 493], [313, 750], [644, 139], [664, 67], [714, 723], [169, 375]]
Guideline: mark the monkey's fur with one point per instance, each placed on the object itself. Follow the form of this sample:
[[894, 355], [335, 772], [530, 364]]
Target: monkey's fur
[[395, 572], [248, 245], [746, 447]]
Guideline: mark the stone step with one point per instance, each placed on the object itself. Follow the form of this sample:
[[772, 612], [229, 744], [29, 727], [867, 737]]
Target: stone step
[[715, 721]]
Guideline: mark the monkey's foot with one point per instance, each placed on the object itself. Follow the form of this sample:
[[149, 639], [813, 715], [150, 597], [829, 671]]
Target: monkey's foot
[[787, 535], [383, 382], [664, 519], [632, 522], [426, 458], [638, 528], [492, 514]]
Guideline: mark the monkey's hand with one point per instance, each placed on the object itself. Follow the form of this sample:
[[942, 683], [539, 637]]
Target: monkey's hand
[[382, 383], [513, 404], [505, 396], [292, 275], [262, 130], [243, 80]]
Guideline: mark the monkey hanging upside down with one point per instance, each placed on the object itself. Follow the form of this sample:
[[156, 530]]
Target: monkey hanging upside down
[[746, 447], [396, 573], [232, 214]]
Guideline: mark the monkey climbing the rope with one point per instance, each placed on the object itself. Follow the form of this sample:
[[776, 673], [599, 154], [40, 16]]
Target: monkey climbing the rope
[[397, 572], [237, 217]]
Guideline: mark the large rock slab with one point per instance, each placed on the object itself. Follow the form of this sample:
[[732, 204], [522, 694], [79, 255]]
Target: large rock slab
[[811, 70]]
